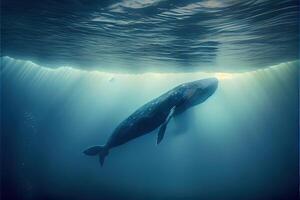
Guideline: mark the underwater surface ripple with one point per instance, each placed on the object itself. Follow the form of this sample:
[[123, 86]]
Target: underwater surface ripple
[[152, 35]]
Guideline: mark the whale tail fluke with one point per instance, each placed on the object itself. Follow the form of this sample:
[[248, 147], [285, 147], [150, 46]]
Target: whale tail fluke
[[101, 151]]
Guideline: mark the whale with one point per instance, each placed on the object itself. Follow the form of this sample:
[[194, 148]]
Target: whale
[[156, 114]]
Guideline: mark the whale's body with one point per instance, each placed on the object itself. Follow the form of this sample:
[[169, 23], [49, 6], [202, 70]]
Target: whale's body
[[157, 113]]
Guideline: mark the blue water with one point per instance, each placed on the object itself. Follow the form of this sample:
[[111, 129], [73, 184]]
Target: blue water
[[242, 143], [72, 70]]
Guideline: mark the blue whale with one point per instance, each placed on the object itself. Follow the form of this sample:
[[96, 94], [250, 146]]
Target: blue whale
[[157, 113]]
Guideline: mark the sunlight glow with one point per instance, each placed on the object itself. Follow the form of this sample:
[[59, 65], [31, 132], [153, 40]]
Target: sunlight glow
[[222, 76]]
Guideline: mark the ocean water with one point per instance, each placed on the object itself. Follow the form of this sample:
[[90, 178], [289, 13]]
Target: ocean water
[[72, 70], [242, 143]]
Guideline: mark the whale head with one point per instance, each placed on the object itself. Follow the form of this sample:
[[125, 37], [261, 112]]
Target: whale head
[[201, 90], [208, 86]]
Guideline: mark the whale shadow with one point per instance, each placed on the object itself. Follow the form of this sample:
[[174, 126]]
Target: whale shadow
[[184, 122]]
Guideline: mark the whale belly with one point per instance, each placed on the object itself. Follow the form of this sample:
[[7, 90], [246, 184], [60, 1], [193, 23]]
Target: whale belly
[[135, 126]]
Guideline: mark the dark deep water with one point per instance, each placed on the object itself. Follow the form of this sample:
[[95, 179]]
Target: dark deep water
[[72, 70]]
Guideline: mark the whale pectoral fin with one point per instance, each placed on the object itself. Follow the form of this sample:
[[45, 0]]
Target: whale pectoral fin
[[162, 129], [161, 132]]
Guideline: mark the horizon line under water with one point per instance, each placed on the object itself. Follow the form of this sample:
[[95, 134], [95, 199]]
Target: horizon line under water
[[222, 74]]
